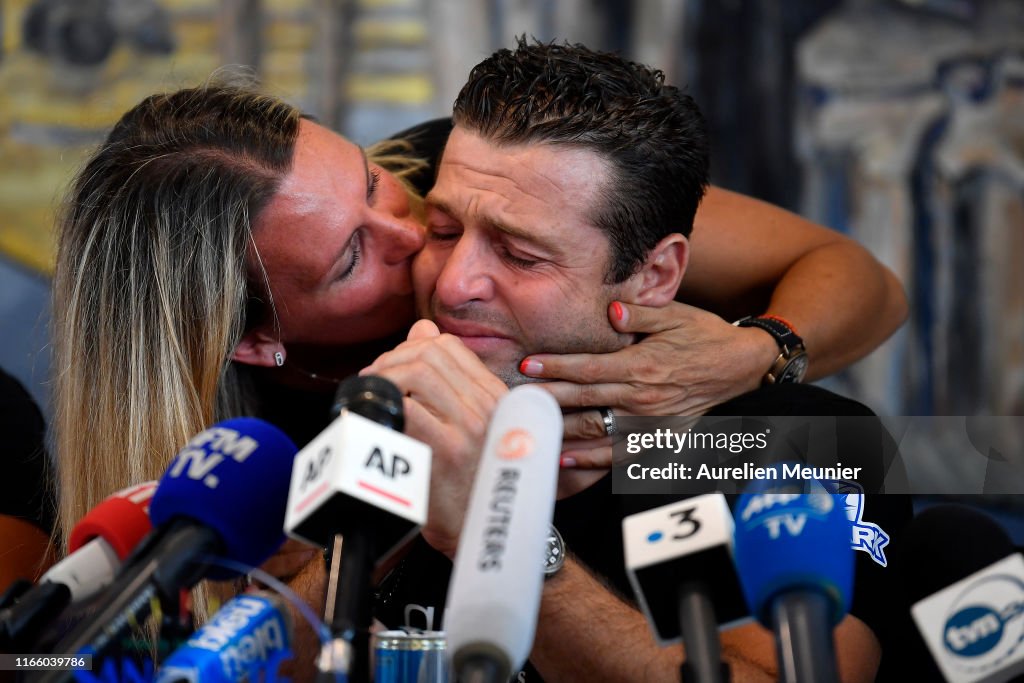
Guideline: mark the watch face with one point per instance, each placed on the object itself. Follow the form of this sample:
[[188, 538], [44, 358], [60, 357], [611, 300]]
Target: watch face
[[555, 556], [795, 369]]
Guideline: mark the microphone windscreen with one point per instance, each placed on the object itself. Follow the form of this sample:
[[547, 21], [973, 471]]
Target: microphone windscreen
[[121, 519], [964, 584], [373, 397], [791, 541], [245, 641], [945, 543], [233, 478]]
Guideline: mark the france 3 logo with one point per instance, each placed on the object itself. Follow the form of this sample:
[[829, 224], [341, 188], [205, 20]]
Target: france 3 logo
[[867, 537]]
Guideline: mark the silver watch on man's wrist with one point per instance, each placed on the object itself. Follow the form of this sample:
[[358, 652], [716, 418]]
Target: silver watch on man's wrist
[[554, 558]]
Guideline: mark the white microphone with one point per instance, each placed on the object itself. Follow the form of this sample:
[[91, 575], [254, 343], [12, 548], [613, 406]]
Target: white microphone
[[361, 487], [491, 612], [97, 545], [974, 627], [679, 560], [972, 622], [102, 539], [357, 464]]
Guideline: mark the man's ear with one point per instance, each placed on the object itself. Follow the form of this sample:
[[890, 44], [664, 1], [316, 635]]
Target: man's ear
[[658, 279], [258, 347]]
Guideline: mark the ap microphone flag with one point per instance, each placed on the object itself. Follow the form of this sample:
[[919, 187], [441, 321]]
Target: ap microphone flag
[[357, 462]]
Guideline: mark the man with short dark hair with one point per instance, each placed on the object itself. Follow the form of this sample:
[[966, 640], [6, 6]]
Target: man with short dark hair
[[587, 171], [569, 184]]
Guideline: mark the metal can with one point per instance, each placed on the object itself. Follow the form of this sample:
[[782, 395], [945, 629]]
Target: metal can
[[410, 657]]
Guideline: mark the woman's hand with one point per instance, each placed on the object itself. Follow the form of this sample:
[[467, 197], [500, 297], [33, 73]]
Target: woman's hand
[[687, 361]]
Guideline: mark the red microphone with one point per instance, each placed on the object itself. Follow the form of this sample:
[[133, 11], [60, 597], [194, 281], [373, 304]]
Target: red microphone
[[98, 544], [121, 519]]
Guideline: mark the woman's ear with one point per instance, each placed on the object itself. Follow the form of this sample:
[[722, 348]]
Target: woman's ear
[[658, 279], [259, 347]]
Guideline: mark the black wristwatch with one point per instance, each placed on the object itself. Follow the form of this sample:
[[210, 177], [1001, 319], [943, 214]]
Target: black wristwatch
[[791, 365]]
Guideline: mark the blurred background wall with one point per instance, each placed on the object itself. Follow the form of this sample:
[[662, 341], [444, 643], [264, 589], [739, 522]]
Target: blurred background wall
[[899, 122]]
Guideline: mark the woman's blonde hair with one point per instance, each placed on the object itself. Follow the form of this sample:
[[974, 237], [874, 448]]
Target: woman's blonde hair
[[151, 291], [150, 288]]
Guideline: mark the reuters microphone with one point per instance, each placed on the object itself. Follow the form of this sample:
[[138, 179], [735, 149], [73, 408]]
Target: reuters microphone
[[494, 594], [688, 546]]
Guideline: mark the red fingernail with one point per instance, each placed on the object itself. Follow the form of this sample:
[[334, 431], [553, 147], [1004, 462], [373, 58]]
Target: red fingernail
[[617, 310], [530, 366]]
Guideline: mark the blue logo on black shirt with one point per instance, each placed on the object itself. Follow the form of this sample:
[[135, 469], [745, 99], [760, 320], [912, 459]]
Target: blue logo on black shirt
[[866, 537]]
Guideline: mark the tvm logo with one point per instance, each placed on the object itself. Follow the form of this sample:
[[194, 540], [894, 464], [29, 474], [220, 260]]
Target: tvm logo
[[983, 628], [206, 450]]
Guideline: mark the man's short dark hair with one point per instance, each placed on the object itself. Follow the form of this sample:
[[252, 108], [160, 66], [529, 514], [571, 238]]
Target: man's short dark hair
[[652, 134]]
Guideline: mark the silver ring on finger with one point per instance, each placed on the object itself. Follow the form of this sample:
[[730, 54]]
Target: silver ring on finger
[[611, 427]]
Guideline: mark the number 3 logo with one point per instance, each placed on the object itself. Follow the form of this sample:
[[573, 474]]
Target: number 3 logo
[[687, 521]]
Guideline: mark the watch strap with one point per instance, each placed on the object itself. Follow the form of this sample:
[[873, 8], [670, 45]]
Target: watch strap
[[791, 363], [784, 333]]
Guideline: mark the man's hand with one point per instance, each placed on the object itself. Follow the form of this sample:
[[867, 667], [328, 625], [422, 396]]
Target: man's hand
[[449, 398]]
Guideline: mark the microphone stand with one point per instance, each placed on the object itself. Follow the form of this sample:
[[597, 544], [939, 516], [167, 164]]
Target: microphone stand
[[348, 611], [703, 663], [804, 638]]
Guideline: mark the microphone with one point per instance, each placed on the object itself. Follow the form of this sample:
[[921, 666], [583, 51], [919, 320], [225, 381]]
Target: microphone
[[966, 586], [98, 544], [247, 640], [687, 545], [222, 495], [361, 486], [795, 564], [491, 611]]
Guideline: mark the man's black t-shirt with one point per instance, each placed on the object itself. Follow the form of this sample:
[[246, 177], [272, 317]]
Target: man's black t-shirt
[[413, 595]]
